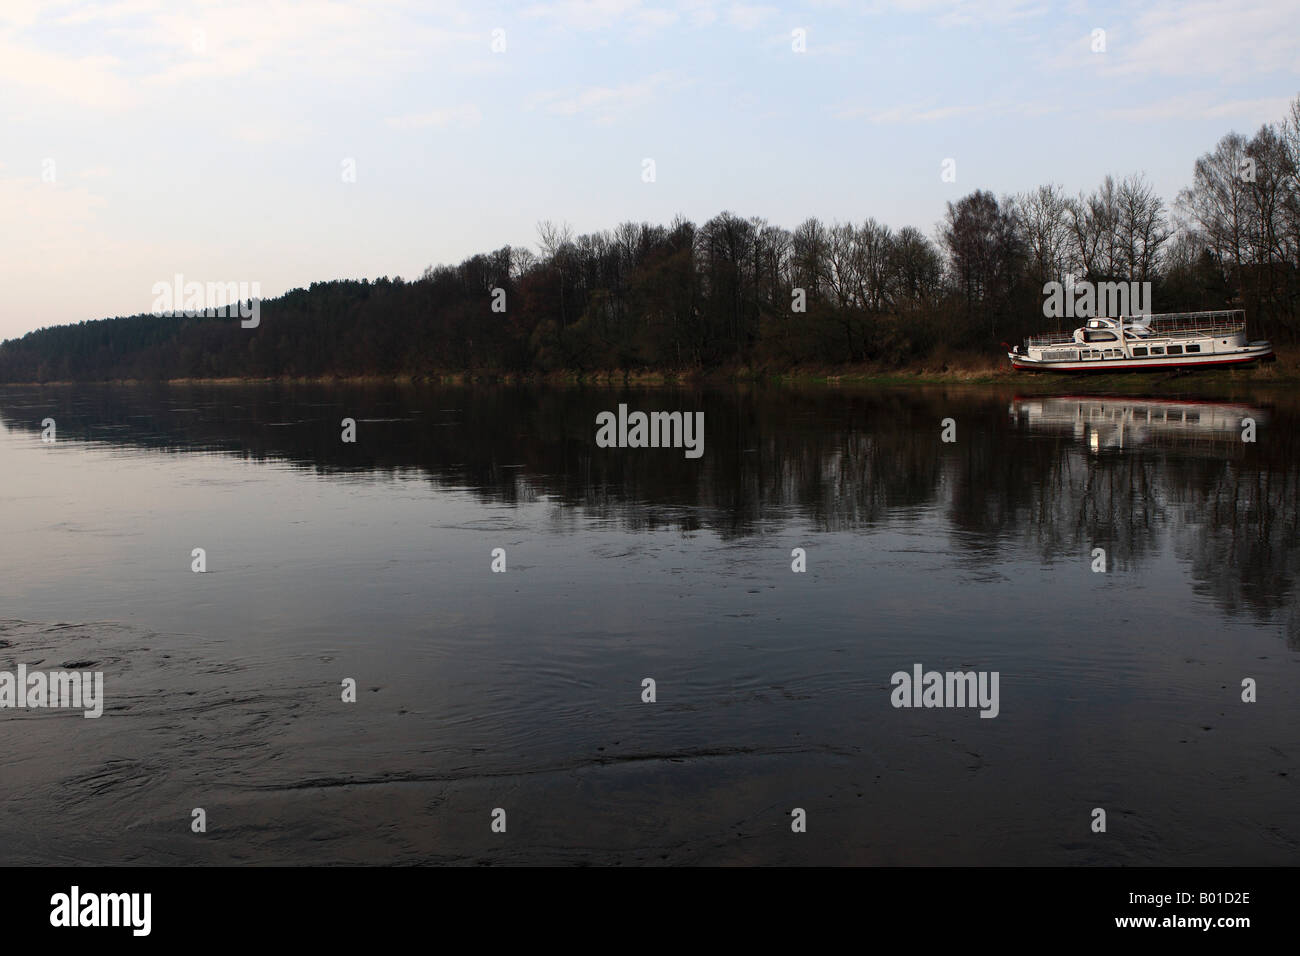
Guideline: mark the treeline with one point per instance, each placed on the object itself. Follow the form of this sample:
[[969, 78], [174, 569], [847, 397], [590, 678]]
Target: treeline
[[744, 292]]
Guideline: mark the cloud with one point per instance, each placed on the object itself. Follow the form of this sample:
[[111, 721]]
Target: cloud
[[20, 12], [103, 12], [263, 132], [640, 16], [91, 81], [466, 115], [747, 16], [1206, 38], [970, 12], [914, 112], [157, 46], [30, 200], [54, 216], [700, 13], [67, 230], [1251, 112], [606, 102], [928, 112], [959, 13], [602, 14]]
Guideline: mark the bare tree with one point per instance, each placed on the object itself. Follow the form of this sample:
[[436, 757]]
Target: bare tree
[[1291, 200], [980, 235], [1217, 202], [916, 268], [553, 237], [1141, 229], [1045, 231], [874, 247], [1093, 218], [557, 247], [810, 247], [841, 258]]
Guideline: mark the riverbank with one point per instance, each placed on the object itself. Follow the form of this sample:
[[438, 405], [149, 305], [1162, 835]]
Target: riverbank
[[946, 370], [1282, 373]]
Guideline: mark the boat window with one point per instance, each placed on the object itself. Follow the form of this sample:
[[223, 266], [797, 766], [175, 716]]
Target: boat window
[[1139, 351], [1175, 350], [1112, 353], [1102, 337], [1157, 350], [1193, 348]]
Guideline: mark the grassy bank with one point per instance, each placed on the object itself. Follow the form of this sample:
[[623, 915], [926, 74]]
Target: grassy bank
[[939, 370], [970, 370]]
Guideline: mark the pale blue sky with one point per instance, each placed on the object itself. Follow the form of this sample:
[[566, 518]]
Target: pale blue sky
[[207, 138]]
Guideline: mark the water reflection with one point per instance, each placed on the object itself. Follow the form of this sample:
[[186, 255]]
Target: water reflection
[[1112, 424], [1058, 475], [1135, 468]]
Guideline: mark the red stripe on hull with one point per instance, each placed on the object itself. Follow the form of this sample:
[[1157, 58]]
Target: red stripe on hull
[[1102, 365]]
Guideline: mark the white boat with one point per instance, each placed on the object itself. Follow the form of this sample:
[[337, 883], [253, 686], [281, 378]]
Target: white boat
[[1172, 340]]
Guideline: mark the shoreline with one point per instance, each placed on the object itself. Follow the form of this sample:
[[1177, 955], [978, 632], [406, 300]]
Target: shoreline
[[1279, 374]]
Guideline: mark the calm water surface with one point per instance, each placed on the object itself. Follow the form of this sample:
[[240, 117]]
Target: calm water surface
[[522, 690]]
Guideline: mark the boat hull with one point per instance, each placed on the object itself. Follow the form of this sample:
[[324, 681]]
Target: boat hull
[[1245, 356]]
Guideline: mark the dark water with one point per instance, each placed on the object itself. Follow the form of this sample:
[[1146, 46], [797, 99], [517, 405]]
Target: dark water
[[325, 560]]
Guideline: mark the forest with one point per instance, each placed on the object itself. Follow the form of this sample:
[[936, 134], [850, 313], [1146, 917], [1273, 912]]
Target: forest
[[742, 293]]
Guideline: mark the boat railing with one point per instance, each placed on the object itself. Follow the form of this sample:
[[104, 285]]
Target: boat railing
[[1174, 325], [1183, 324], [1051, 338]]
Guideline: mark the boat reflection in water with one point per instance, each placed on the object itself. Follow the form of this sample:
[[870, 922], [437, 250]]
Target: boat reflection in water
[[1114, 423]]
